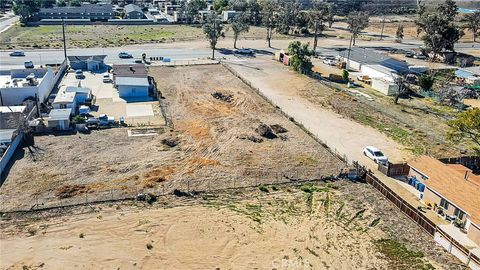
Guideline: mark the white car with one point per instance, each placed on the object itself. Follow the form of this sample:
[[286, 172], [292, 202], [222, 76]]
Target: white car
[[375, 155], [330, 62]]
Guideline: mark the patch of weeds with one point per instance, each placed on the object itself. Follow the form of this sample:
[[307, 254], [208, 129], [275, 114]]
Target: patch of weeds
[[149, 246], [374, 222], [81, 235], [357, 215], [400, 257], [31, 231], [274, 188], [310, 188], [263, 188]]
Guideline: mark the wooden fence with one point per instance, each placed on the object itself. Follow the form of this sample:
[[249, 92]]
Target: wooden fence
[[394, 169], [449, 243]]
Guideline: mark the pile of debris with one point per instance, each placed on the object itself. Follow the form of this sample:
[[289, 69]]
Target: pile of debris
[[172, 142], [266, 131], [222, 97]]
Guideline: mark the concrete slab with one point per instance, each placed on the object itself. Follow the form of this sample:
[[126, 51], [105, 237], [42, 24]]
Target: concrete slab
[[139, 110]]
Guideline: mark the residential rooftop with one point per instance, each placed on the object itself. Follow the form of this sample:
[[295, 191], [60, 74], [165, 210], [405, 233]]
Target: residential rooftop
[[133, 70], [371, 57], [22, 78], [132, 81], [66, 97], [451, 184], [59, 114], [84, 8]]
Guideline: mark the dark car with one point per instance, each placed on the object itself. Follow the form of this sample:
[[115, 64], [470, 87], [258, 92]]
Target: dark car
[[17, 53], [124, 55], [244, 51]]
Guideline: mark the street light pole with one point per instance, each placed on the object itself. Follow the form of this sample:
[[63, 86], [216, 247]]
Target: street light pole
[[64, 40]]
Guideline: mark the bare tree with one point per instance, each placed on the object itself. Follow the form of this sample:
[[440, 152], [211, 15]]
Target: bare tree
[[213, 29], [239, 25], [317, 16], [269, 18], [357, 21]]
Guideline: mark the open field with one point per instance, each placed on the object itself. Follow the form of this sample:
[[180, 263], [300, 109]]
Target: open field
[[217, 146], [89, 36], [337, 225]]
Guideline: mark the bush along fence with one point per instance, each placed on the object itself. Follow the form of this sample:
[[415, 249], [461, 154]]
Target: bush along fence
[[441, 237]]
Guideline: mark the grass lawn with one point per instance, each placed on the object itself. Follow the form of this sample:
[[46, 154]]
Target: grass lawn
[[86, 36]]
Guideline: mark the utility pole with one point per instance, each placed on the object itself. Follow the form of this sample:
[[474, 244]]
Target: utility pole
[[383, 27], [64, 40], [349, 50]]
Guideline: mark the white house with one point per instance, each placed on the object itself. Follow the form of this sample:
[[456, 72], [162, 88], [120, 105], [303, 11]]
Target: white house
[[82, 93], [65, 100], [59, 119], [132, 87], [20, 84]]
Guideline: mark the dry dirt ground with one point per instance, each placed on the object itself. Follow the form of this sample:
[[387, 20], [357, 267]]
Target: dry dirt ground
[[406, 123], [215, 148], [337, 225]]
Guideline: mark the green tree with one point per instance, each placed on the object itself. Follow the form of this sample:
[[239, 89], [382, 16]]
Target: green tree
[[299, 57], [253, 11], [438, 28], [466, 126], [399, 33], [75, 3], [426, 82], [345, 75], [193, 7], [317, 16], [357, 21], [220, 5], [288, 12], [25, 9], [269, 18], [472, 23], [213, 29], [61, 3], [331, 15], [239, 25]]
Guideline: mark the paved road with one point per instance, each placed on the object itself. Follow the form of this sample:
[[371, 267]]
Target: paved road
[[42, 57], [6, 23]]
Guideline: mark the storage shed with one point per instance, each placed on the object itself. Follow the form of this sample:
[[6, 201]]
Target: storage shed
[[59, 119], [82, 93], [65, 100]]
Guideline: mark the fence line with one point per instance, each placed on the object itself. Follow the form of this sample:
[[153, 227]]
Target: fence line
[[190, 186], [422, 221]]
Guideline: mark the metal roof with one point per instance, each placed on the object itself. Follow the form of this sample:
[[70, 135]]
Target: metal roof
[[73, 89], [67, 97], [85, 8], [81, 58], [133, 70], [131, 7], [371, 57], [131, 81], [59, 114]]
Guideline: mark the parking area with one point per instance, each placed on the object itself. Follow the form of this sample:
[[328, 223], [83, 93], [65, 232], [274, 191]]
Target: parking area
[[107, 101]]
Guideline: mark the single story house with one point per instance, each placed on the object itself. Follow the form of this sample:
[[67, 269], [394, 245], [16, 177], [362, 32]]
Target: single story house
[[65, 100], [362, 56], [131, 80], [59, 119], [452, 191], [21, 84], [82, 93], [93, 63], [132, 87], [133, 12]]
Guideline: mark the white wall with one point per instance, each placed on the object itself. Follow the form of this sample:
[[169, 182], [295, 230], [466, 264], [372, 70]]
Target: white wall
[[374, 73], [132, 91], [16, 95], [384, 87]]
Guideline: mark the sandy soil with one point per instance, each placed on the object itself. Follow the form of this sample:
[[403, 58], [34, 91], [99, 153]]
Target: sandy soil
[[214, 149], [284, 229], [391, 128]]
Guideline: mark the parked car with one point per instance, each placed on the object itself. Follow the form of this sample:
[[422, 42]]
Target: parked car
[[79, 74], [106, 78], [106, 120], [244, 51], [17, 53], [124, 55], [375, 155], [28, 64], [419, 56], [410, 54], [330, 62]]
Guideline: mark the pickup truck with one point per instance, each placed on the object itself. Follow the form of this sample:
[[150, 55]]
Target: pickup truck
[[106, 120]]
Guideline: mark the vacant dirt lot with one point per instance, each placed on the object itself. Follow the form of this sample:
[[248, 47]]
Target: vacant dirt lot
[[329, 226], [213, 144]]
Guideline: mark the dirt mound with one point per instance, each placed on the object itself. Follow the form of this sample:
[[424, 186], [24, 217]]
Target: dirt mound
[[278, 128], [68, 191], [265, 131], [222, 97]]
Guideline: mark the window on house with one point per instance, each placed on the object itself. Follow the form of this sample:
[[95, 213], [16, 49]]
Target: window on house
[[444, 204], [458, 213]]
